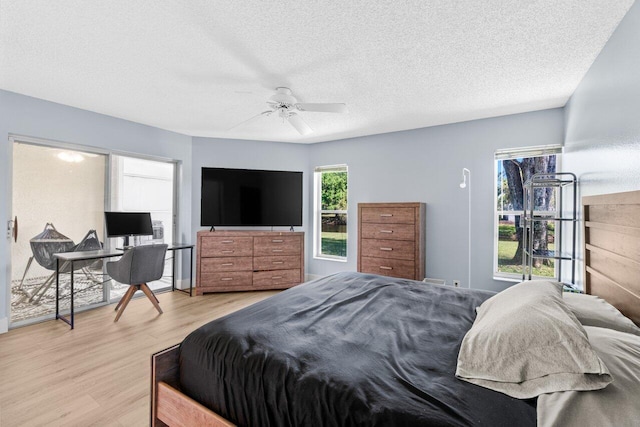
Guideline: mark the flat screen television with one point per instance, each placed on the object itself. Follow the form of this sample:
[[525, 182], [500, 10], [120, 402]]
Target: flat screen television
[[126, 224], [248, 197]]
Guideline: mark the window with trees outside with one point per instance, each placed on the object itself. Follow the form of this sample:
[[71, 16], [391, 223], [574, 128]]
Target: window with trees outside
[[330, 237], [513, 168]]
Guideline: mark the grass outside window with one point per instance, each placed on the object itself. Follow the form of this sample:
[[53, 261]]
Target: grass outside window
[[508, 259], [334, 235]]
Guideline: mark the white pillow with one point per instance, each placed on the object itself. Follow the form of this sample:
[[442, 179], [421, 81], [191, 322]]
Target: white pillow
[[617, 404], [594, 311], [525, 341]]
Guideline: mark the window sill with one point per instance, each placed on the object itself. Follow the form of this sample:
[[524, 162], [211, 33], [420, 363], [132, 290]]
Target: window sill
[[507, 279], [329, 258], [519, 278]]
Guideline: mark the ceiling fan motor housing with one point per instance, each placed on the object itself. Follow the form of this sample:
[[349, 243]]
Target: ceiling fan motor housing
[[283, 97]]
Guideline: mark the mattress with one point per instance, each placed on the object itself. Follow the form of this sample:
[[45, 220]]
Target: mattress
[[347, 350]]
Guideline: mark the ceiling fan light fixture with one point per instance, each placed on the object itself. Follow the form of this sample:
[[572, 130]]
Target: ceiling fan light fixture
[[70, 156]]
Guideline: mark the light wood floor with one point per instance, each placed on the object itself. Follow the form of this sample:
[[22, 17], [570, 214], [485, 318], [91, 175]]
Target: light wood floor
[[99, 373]]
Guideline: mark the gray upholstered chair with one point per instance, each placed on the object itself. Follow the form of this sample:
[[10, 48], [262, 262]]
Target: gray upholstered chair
[[138, 266]]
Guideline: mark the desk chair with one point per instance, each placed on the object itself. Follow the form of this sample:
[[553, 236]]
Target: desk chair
[[138, 265]]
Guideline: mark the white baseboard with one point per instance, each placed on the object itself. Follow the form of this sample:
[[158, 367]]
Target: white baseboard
[[4, 325]]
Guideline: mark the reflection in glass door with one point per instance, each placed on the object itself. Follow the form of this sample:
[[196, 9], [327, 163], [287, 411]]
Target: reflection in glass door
[[58, 197]]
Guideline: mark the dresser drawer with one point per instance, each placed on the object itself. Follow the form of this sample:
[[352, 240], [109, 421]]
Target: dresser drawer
[[276, 262], [215, 265], [227, 279], [275, 279], [388, 231], [393, 249], [277, 245], [388, 267], [388, 215], [226, 246]]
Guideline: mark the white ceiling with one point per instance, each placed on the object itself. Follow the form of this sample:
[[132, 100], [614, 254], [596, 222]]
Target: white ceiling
[[201, 67]]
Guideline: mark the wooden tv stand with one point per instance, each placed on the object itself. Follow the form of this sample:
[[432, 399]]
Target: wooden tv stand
[[248, 260]]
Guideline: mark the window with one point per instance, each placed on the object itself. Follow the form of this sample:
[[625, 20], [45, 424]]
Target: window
[[512, 169], [330, 219]]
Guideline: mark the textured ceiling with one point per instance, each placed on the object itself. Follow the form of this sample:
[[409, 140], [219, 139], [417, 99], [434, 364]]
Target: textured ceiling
[[201, 67]]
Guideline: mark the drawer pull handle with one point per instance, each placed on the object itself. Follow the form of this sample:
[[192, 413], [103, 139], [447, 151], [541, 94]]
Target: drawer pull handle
[[226, 279], [276, 277], [226, 264], [382, 267], [278, 262], [386, 249], [386, 215], [227, 241], [277, 241], [277, 250], [228, 251], [386, 231]]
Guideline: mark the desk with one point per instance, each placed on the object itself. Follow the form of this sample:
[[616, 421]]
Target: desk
[[176, 247], [71, 257]]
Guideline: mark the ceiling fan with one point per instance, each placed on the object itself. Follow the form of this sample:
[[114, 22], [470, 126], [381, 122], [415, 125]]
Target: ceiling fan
[[287, 107]]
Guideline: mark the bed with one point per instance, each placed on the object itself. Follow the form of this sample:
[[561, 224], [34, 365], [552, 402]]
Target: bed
[[354, 349]]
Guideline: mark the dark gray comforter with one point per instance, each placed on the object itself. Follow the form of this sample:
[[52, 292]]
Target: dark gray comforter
[[347, 350]]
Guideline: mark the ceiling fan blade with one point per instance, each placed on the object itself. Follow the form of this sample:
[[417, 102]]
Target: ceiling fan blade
[[300, 125], [323, 108], [264, 113]]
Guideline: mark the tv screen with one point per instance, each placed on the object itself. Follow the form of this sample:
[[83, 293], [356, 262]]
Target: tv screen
[[237, 197], [128, 224]]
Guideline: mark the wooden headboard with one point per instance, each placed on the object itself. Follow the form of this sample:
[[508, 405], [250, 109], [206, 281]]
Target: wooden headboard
[[612, 250]]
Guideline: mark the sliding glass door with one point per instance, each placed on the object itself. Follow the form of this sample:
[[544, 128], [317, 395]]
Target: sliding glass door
[[143, 185], [58, 198]]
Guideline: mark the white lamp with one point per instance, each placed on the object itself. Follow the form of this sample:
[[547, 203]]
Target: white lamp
[[466, 173]]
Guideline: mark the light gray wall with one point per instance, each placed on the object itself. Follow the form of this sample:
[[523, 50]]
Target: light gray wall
[[602, 144], [32, 117], [233, 153], [425, 165]]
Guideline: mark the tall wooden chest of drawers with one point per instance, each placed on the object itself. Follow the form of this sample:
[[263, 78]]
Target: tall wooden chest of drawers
[[391, 239], [248, 260]]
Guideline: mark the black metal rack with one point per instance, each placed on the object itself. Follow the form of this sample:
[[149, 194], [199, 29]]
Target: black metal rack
[[560, 182]]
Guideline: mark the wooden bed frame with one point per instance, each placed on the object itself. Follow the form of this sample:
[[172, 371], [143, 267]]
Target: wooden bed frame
[[612, 270], [612, 250], [170, 407]]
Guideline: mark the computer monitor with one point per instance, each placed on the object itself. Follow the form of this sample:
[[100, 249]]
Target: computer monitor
[[127, 224]]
